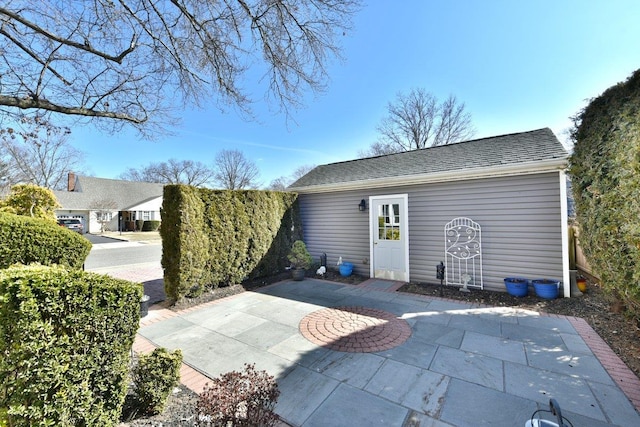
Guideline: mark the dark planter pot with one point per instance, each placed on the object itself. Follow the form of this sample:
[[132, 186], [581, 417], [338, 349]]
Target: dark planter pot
[[298, 274], [517, 286], [346, 268], [546, 288], [144, 305]]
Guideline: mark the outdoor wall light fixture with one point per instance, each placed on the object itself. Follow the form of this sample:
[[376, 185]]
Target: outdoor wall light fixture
[[362, 206]]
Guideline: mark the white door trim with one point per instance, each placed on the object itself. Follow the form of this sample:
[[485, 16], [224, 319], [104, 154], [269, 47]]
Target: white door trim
[[404, 230]]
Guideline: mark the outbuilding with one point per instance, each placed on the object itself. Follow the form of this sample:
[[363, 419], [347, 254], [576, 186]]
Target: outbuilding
[[487, 209]]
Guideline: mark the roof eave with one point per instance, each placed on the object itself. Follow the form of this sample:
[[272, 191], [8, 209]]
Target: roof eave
[[525, 168]]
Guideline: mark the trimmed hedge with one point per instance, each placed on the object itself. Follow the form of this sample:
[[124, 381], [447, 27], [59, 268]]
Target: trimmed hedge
[[221, 237], [185, 244], [151, 225], [154, 378], [605, 173], [65, 340], [26, 240]]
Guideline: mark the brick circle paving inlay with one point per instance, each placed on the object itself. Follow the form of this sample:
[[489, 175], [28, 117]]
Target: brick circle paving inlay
[[355, 329]]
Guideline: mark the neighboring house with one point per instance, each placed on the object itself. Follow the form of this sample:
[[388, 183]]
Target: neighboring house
[[387, 214], [116, 203]]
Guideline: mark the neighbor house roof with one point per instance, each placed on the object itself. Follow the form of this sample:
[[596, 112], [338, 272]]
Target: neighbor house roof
[[126, 194], [513, 154]]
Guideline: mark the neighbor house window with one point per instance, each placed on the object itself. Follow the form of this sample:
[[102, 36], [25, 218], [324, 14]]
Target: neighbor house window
[[104, 216], [146, 215]]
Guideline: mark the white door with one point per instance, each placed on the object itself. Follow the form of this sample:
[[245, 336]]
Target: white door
[[390, 241]]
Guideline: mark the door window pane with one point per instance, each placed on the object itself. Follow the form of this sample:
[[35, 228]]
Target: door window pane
[[389, 222]]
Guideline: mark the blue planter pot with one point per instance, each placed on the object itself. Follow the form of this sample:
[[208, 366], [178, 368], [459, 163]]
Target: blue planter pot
[[346, 268], [546, 288], [517, 286]]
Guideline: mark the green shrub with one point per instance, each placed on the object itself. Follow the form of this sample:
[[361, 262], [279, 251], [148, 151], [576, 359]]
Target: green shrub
[[32, 201], [239, 399], [605, 173], [151, 225], [185, 244], [220, 237], [26, 240], [154, 377], [139, 224], [65, 340], [299, 255]]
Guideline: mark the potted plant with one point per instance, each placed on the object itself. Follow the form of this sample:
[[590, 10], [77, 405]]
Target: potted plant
[[517, 286], [300, 260], [581, 282], [546, 288]]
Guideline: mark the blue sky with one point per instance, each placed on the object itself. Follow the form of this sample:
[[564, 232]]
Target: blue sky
[[516, 65]]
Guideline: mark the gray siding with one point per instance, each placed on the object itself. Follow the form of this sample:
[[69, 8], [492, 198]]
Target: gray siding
[[520, 218]]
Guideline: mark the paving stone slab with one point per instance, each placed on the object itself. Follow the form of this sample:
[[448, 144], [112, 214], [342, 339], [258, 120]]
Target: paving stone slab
[[615, 405], [476, 324], [350, 407], [266, 335], [471, 367], [417, 419], [448, 306], [497, 347], [232, 323], [437, 335], [355, 369], [409, 386], [166, 327], [482, 406], [531, 335], [301, 392], [299, 350], [573, 394], [548, 324], [561, 360], [415, 351], [431, 317], [575, 344], [278, 312]]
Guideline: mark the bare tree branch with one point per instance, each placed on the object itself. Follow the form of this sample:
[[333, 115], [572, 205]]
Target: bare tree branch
[[416, 120], [172, 171], [38, 153], [235, 171], [133, 61]]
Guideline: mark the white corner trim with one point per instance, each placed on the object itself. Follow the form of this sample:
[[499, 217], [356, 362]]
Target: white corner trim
[[564, 223]]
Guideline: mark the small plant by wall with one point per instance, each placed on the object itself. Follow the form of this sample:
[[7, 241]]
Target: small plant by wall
[[154, 377]]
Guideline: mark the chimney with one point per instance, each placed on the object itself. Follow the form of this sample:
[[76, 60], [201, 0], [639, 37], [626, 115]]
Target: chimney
[[71, 181]]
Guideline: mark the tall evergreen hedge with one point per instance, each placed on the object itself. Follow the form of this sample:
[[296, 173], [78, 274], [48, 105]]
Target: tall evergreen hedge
[[185, 242], [219, 237], [27, 240], [65, 342], [605, 173]]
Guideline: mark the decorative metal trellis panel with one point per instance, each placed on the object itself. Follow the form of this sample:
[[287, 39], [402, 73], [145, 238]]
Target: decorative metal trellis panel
[[463, 253]]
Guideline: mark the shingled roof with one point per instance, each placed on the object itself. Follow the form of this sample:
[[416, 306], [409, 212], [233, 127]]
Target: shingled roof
[[518, 153], [126, 194]]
